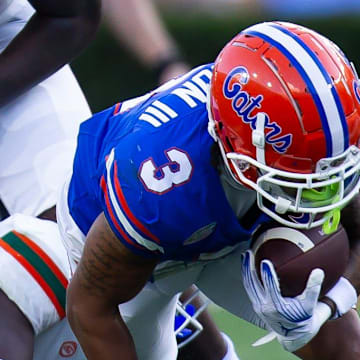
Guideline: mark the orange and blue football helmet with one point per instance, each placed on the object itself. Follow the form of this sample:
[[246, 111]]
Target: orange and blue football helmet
[[284, 107]]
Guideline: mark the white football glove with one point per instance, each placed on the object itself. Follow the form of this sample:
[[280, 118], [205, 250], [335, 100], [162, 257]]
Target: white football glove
[[294, 320]]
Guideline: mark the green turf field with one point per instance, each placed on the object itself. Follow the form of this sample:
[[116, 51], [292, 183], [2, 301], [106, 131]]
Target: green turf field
[[244, 334]]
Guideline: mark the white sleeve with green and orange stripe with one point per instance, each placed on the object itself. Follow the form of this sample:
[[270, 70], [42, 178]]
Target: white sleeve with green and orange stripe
[[35, 269]]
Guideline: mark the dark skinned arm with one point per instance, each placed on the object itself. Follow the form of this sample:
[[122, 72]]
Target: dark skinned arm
[[337, 340], [340, 339], [107, 275], [209, 344], [16, 332], [54, 35], [350, 219]]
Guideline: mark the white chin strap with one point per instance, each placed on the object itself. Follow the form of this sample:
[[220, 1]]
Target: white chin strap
[[258, 138]]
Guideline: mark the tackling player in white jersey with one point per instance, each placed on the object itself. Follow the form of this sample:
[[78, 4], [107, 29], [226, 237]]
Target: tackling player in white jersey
[[40, 119], [41, 107]]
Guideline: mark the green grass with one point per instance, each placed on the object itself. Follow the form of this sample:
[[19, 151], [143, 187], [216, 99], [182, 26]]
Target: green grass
[[244, 334]]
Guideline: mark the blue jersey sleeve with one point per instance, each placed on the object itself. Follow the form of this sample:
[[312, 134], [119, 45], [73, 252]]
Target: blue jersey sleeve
[[122, 220]]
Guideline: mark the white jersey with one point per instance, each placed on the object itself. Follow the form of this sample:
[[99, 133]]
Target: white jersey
[[58, 343], [35, 274], [38, 135], [35, 269], [11, 10], [37, 130], [4, 4]]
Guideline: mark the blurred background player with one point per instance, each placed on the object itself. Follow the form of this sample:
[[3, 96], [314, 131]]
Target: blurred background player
[[41, 107], [137, 25]]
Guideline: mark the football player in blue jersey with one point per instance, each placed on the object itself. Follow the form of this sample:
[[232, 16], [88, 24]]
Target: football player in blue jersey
[[168, 189]]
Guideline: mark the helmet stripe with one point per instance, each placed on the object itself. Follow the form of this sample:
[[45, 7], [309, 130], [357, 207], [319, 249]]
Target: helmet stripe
[[317, 80], [329, 81]]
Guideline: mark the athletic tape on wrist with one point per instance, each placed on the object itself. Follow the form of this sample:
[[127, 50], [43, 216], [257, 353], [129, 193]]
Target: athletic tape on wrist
[[344, 295]]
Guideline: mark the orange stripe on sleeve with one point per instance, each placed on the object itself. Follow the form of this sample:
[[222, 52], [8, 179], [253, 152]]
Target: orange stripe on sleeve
[[32, 271]]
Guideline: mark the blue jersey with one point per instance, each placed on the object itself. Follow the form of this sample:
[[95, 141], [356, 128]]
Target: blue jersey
[[146, 164]]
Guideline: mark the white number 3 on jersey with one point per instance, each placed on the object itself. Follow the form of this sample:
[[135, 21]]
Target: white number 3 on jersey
[[160, 179]]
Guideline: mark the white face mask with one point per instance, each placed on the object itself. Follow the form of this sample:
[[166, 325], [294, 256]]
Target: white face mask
[[318, 194]]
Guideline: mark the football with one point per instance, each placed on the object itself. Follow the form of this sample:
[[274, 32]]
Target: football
[[295, 253]]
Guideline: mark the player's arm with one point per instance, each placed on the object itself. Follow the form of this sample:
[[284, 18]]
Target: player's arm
[[107, 275], [298, 322], [55, 34], [346, 330], [16, 332], [350, 218], [337, 339], [210, 343], [138, 25]]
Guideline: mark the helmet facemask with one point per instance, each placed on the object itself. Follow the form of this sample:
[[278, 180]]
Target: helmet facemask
[[316, 194]]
